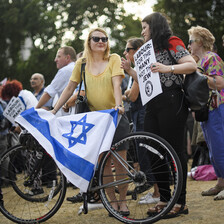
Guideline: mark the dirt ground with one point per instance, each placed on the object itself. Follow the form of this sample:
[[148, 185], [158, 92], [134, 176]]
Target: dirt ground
[[201, 210]]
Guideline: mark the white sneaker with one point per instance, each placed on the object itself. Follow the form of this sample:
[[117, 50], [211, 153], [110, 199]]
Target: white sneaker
[[146, 196], [148, 199], [93, 206]]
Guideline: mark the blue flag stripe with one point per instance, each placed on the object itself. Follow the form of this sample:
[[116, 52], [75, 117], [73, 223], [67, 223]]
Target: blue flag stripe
[[71, 161]]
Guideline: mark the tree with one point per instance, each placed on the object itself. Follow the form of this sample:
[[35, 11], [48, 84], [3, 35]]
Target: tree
[[187, 13], [107, 14], [19, 20], [45, 22]]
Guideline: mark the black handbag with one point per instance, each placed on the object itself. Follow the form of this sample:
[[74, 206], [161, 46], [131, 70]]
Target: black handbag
[[195, 89], [202, 114], [82, 102]]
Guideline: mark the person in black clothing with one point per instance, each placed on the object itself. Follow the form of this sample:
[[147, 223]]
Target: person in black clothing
[[166, 114]]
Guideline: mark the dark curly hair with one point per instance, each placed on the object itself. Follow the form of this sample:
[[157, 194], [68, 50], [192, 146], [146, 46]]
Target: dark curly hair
[[10, 89]]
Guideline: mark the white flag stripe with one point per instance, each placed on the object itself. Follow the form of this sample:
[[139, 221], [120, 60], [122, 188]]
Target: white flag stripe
[[75, 150]]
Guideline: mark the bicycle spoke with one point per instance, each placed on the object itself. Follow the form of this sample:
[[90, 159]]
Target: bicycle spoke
[[22, 202], [113, 171]]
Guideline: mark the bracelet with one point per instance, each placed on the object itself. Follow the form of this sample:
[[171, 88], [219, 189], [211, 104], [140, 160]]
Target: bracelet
[[119, 105], [54, 110], [172, 68]]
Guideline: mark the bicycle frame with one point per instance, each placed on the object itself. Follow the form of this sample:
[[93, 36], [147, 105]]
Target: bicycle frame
[[118, 179], [125, 164]]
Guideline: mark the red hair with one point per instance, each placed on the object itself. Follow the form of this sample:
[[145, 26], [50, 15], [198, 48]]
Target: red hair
[[10, 89]]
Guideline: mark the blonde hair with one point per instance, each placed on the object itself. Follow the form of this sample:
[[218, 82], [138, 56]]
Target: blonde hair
[[87, 50], [204, 35]]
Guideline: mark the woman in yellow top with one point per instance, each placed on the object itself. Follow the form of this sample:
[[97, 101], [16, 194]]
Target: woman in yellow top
[[103, 77]]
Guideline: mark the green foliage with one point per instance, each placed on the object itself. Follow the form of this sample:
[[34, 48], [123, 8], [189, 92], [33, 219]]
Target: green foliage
[[186, 13], [106, 14], [130, 28], [45, 22]]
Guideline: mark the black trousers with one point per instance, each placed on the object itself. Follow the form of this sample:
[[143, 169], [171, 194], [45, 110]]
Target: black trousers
[[166, 116]]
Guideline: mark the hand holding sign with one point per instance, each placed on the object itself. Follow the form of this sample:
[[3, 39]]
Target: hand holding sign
[[149, 84]]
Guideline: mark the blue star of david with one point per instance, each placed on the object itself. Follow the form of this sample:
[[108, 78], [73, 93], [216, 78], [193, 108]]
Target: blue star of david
[[82, 137]]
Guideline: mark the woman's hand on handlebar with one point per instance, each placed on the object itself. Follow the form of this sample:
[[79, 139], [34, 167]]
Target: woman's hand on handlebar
[[120, 108]]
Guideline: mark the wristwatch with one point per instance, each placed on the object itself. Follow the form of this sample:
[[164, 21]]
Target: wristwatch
[[172, 68]]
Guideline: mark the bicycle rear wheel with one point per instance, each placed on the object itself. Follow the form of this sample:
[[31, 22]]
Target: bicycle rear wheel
[[21, 203], [136, 182]]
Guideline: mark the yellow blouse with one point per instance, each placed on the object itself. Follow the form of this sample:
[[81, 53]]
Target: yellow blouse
[[99, 88]]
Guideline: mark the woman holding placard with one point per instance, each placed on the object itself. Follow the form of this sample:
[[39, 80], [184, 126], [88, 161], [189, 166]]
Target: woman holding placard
[[137, 115], [166, 114]]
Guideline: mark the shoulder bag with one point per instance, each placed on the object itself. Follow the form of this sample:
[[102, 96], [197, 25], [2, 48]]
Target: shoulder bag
[[82, 102], [196, 92]]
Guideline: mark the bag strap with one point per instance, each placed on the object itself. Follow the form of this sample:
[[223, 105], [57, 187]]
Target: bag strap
[[171, 57], [180, 80], [173, 63], [82, 72]]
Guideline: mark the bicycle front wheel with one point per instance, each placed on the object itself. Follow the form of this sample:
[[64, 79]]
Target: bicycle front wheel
[[125, 177], [26, 203]]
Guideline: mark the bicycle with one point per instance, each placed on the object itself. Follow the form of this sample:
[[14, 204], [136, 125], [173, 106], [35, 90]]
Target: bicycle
[[21, 207]]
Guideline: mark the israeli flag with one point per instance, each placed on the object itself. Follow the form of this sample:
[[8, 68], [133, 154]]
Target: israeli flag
[[73, 141]]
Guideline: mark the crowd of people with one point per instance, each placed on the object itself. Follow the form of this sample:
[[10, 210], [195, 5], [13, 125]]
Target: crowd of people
[[165, 115]]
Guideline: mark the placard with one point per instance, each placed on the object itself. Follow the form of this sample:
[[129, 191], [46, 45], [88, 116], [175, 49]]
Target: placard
[[149, 83], [13, 109]]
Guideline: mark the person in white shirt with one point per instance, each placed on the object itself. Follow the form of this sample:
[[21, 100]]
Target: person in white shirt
[[65, 62]]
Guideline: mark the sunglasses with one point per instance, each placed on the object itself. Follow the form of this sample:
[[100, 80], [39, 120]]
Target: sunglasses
[[129, 48], [97, 39], [191, 41]]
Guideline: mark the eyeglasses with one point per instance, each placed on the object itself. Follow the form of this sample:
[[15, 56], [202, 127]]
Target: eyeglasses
[[97, 39], [191, 41], [129, 48]]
